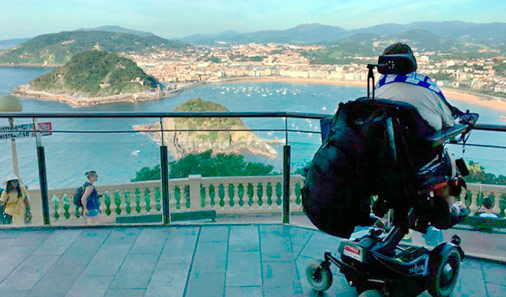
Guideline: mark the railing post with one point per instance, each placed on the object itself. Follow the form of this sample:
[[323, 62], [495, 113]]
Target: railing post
[[164, 176], [286, 184], [41, 157]]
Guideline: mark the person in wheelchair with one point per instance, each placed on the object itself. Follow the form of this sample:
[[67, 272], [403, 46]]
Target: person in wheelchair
[[387, 151], [421, 92]]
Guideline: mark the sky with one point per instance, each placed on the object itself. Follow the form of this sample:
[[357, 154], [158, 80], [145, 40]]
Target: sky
[[180, 18]]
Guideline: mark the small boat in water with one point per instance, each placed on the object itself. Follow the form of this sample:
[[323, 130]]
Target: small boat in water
[[502, 118]]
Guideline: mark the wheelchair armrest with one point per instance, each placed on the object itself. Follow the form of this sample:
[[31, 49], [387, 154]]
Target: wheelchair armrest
[[440, 137]]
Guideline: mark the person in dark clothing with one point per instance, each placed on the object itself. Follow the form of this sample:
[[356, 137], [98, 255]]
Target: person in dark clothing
[[90, 198]]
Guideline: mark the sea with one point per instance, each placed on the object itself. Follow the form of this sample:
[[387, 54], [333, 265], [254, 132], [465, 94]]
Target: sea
[[118, 156]]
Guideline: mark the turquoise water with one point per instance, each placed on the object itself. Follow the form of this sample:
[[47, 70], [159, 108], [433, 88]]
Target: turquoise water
[[118, 156]]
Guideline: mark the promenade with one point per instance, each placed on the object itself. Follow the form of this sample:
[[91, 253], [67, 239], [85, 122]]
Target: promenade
[[208, 260]]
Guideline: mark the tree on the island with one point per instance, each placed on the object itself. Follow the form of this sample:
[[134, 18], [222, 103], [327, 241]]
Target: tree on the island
[[207, 164]]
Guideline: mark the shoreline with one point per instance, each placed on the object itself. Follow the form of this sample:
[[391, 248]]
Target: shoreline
[[24, 92]]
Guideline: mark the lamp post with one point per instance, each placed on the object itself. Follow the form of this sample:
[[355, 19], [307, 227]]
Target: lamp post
[[9, 103]]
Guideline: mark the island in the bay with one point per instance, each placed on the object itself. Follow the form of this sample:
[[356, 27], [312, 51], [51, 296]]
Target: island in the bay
[[95, 77], [182, 143]]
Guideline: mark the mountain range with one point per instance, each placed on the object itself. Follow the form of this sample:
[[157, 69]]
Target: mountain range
[[455, 31], [454, 36]]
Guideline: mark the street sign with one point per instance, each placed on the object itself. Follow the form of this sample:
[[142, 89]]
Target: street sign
[[25, 130]]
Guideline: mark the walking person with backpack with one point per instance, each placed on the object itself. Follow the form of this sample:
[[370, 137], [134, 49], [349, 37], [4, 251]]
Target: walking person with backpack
[[87, 198]]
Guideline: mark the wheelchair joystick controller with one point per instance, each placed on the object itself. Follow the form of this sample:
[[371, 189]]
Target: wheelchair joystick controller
[[456, 240]]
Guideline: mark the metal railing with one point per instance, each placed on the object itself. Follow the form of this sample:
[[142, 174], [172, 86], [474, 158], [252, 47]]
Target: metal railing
[[57, 207]]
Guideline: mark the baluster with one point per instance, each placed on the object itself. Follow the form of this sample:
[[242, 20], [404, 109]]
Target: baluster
[[61, 210], [103, 207], [268, 199], [226, 197], [207, 197], [497, 203], [278, 189], [108, 203], [185, 191], [213, 193], [240, 199], [53, 209], [158, 199], [138, 201], [254, 196], [236, 200], [260, 196], [66, 207], [173, 205], [148, 200], [293, 198], [72, 208], [474, 202], [117, 202], [128, 208], [298, 194]]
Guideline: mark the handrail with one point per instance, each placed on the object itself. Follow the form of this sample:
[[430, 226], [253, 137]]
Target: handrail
[[184, 114], [188, 114]]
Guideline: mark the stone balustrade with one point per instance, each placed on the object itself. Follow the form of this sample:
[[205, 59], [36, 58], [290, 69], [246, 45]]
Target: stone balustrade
[[226, 195]]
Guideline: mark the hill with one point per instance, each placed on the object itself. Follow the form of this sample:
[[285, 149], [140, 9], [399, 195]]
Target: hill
[[118, 29], [10, 43], [58, 48], [183, 143], [95, 73]]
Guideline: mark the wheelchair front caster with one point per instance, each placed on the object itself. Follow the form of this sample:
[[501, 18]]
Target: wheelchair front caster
[[318, 275], [444, 272]]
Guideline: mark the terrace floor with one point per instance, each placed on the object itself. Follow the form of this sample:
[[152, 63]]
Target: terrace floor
[[207, 260]]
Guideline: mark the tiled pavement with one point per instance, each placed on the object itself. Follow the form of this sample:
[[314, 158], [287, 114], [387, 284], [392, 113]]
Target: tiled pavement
[[230, 260]]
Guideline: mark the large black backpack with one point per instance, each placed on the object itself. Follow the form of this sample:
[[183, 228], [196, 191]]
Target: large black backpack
[[355, 161], [78, 195]]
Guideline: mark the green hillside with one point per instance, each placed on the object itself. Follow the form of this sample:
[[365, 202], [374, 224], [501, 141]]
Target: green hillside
[[199, 104], [95, 73], [58, 48]]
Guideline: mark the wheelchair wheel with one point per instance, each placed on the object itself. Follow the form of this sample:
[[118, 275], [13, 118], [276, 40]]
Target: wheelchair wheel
[[318, 275], [371, 293], [443, 273]]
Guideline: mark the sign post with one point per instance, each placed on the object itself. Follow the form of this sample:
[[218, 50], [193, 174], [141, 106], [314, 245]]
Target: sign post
[[41, 158], [15, 166]]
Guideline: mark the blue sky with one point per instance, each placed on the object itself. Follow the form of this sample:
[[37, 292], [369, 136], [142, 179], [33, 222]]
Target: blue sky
[[179, 18]]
